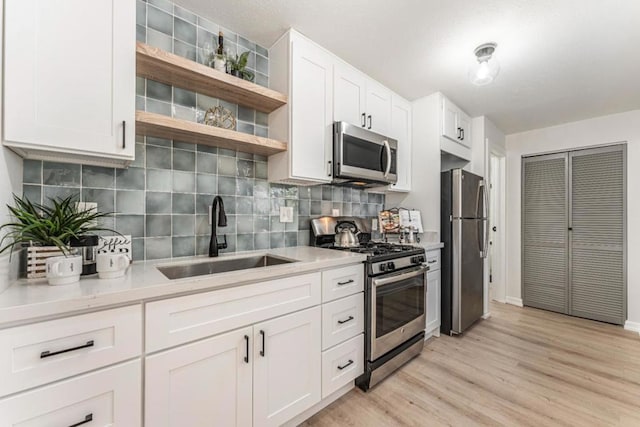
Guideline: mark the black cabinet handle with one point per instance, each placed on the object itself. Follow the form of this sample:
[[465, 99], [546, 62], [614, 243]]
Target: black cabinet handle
[[345, 283], [461, 134], [348, 319], [370, 121], [49, 353], [246, 341], [349, 363], [263, 349], [432, 261], [364, 119], [87, 419], [124, 134]]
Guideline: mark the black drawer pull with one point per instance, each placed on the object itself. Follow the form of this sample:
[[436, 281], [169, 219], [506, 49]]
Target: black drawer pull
[[124, 134], [432, 261], [348, 319], [345, 283], [349, 363], [87, 419], [49, 354], [364, 120], [246, 340], [263, 349]]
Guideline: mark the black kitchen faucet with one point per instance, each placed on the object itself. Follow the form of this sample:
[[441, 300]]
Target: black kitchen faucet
[[214, 246]]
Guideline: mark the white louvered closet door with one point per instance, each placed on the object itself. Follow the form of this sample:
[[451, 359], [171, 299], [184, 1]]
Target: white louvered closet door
[[597, 219], [544, 232]]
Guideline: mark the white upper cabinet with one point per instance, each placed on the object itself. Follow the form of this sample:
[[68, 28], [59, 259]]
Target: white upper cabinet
[[359, 100], [303, 71], [401, 131], [378, 108], [349, 95], [69, 80], [456, 124]]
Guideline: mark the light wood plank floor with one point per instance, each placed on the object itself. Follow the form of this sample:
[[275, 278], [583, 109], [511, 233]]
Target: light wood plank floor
[[521, 367]]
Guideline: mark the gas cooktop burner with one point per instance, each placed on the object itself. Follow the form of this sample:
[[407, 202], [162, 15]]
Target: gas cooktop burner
[[379, 248]]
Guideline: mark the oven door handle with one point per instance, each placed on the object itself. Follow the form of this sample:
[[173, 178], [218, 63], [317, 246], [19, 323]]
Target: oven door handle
[[395, 278]]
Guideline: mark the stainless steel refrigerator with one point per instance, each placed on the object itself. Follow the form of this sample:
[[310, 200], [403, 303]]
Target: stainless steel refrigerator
[[464, 232]]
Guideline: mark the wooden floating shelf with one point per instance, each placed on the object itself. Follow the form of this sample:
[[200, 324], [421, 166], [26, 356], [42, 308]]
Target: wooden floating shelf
[[159, 65], [152, 124]]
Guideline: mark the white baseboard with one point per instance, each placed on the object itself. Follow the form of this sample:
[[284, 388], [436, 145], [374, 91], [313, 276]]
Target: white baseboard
[[514, 301], [632, 326], [486, 315]]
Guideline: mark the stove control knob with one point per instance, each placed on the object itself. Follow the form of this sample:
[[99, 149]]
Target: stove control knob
[[383, 267], [421, 258], [391, 266]]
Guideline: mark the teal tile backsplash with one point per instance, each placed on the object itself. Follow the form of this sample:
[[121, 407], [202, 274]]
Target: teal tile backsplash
[[162, 199]]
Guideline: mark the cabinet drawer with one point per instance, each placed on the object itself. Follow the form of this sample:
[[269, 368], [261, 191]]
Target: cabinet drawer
[[109, 397], [342, 282], [43, 352], [342, 319], [433, 260], [342, 364], [179, 320]]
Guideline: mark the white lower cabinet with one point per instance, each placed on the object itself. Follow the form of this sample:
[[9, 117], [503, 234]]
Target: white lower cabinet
[[260, 375], [342, 364], [108, 397], [433, 301], [286, 374], [205, 383]]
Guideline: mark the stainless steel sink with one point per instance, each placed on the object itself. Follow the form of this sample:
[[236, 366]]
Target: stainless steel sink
[[182, 271]]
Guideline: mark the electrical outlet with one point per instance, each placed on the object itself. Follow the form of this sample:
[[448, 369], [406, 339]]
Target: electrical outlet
[[374, 224], [286, 214], [87, 206], [335, 212], [210, 209]]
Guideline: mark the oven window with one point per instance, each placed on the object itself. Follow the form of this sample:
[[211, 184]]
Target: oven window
[[399, 303]]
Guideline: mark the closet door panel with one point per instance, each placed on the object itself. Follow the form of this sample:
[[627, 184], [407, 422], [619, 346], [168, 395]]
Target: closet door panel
[[544, 232], [597, 212]]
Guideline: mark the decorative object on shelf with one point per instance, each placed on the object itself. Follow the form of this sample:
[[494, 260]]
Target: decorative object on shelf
[[206, 54], [237, 66], [48, 230], [220, 117], [487, 67], [220, 58]]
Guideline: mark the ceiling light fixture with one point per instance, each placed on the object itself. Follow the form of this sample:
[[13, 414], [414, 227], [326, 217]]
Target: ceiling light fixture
[[487, 67]]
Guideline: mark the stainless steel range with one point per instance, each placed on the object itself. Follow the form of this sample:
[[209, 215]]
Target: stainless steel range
[[396, 277]]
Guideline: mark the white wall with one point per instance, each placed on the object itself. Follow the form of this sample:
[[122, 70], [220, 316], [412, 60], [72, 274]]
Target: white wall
[[623, 127], [425, 168]]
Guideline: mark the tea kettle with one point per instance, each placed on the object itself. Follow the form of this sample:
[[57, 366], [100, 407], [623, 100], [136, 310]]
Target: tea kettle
[[346, 235]]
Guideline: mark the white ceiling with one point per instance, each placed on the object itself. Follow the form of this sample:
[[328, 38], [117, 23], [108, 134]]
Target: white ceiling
[[561, 60]]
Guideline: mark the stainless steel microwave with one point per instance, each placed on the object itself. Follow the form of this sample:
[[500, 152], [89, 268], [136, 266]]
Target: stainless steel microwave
[[362, 158]]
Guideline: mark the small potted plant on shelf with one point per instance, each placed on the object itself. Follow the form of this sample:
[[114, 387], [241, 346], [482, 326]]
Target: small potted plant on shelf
[[48, 230], [237, 66]]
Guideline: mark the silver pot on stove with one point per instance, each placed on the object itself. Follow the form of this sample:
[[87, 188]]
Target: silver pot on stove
[[346, 234]]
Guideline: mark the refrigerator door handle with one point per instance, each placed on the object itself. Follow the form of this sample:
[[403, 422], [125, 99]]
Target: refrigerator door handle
[[485, 218]]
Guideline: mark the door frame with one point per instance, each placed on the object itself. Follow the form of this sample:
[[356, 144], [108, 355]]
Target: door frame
[[497, 261]]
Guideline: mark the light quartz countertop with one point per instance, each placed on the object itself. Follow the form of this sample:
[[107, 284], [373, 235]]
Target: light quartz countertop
[[29, 300]]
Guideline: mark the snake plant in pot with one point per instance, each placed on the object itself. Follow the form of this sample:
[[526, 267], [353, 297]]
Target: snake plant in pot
[[237, 66], [49, 228]]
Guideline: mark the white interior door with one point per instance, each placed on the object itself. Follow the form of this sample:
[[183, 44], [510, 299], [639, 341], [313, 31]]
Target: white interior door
[[497, 286]]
